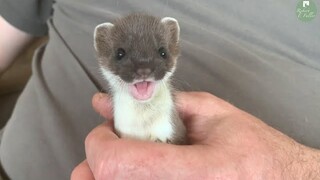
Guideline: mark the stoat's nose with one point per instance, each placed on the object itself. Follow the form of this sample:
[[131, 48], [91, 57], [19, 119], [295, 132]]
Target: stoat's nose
[[144, 73]]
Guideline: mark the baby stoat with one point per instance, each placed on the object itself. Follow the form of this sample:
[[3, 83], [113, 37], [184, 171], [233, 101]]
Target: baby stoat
[[137, 56]]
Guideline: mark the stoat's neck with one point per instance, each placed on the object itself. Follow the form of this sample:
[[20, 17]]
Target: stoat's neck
[[161, 96], [142, 120]]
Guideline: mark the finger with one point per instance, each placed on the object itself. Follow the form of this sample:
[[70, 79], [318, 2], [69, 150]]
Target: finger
[[103, 132], [82, 172], [100, 136], [191, 104], [109, 156], [101, 102], [98, 140], [131, 159]]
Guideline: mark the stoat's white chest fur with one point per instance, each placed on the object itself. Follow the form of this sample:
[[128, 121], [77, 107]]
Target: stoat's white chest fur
[[151, 120], [144, 120]]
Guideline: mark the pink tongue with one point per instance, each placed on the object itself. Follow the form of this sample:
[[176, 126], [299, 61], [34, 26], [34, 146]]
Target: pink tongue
[[142, 90], [142, 87]]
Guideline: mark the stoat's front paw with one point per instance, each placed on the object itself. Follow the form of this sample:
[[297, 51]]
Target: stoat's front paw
[[168, 141], [174, 141], [158, 141]]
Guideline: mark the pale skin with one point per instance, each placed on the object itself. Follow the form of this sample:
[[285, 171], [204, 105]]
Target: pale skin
[[12, 42], [225, 143]]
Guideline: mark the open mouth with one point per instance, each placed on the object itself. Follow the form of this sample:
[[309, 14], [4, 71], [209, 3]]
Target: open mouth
[[142, 90]]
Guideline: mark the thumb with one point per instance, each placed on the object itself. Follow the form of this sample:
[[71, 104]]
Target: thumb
[[192, 104], [102, 104]]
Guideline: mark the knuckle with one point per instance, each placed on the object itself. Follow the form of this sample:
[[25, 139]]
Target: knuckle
[[205, 95], [89, 139]]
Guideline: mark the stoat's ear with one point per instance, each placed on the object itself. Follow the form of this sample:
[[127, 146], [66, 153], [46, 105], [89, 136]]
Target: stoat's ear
[[102, 38], [172, 29]]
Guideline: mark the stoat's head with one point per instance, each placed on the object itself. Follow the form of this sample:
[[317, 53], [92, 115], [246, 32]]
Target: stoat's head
[[138, 52]]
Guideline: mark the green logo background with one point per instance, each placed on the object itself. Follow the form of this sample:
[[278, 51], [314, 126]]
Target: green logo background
[[308, 12]]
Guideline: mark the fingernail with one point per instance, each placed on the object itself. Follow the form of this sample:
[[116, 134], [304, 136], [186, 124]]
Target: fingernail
[[101, 95]]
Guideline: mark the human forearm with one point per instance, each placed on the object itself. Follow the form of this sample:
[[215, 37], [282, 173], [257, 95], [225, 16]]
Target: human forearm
[[12, 42]]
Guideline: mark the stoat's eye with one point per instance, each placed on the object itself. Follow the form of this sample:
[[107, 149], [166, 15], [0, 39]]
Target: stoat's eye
[[162, 52], [120, 53]]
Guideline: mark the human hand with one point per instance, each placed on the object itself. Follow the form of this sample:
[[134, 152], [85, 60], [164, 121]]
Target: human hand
[[226, 143]]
